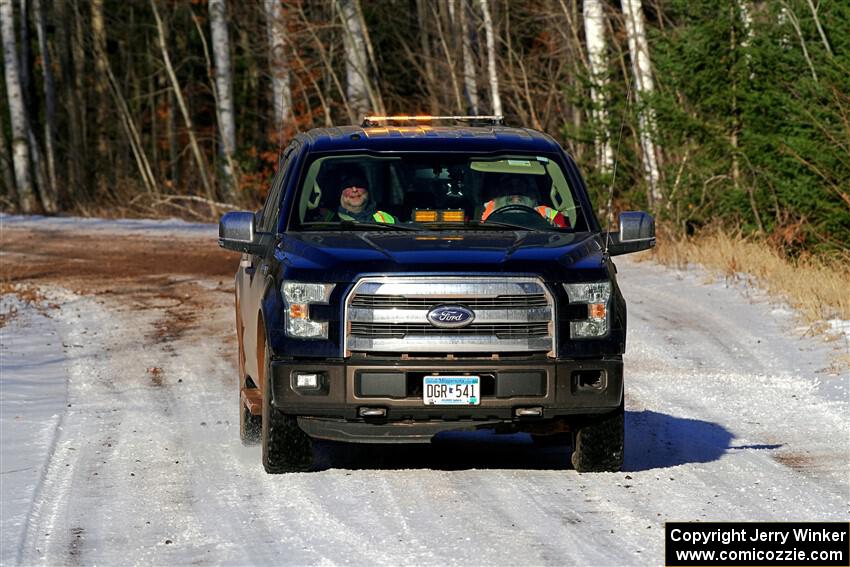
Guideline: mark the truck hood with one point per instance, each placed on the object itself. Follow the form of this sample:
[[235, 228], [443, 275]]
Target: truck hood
[[344, 256]]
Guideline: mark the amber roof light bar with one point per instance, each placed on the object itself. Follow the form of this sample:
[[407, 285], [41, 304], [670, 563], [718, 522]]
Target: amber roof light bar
[[369, 121]]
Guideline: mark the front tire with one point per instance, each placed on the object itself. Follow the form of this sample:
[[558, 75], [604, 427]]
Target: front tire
[[286, 448], [598, 443]]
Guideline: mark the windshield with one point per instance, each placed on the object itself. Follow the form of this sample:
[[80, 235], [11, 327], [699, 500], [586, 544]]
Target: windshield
[[428, 192]]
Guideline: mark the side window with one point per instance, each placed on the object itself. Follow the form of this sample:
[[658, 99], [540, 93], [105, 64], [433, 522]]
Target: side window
[[271, 209]]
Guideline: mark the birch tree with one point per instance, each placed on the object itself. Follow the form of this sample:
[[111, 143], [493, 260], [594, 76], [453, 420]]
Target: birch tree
[[356, 68], [597, 51], [644, 86], [281, 92], [362, 94], [20, 146], [470, 79], [495, 98], [224, 93]]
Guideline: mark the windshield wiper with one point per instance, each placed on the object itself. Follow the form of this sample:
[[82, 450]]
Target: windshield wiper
[[496, 225], [351, 225]]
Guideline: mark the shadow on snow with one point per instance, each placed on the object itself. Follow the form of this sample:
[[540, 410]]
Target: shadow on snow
[[653, 440]]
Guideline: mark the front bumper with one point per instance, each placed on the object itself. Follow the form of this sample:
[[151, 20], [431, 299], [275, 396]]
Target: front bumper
[[558, 388]]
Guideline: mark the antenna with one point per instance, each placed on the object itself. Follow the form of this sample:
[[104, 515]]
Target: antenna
[[614, 173]]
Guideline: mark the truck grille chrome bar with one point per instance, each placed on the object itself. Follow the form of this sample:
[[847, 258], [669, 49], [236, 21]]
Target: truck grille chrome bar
[[500, 330], [399, 302], [390, 314]]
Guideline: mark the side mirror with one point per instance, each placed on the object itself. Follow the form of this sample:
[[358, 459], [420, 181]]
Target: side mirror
[[637, 232], [238, 231]]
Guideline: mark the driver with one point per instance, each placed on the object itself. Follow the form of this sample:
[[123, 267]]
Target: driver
[[514, 190], [355, 203]]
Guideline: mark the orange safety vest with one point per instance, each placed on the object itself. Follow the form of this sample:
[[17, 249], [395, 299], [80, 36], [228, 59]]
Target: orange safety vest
[[547, 213]]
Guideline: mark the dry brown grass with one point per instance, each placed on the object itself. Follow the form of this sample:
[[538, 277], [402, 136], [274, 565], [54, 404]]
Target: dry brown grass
[[818, 288]]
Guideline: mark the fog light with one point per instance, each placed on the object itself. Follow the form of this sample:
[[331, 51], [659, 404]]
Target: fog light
[[307, 381]]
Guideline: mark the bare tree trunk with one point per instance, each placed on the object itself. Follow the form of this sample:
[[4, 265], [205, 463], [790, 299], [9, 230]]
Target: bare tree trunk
[[329, 69], [374, 88], [119, 102], [447, 51], [644, 86], [20, 144], [358, 90], [49, 103], [171, 126], [101, 88], [281, 92], [40, 171], [43, 190], [6, 167], [470, 79], [224, 94], [597, 51], [173, 145], [25, 57], [425, 52], [495, 98], [187, 119], [78, 46], [74, 144]]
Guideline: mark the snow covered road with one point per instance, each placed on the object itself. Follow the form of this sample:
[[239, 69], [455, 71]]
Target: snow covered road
[[135, 456]]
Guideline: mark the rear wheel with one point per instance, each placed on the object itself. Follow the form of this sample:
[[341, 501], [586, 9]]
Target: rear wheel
[[286, 448], [598, 443]]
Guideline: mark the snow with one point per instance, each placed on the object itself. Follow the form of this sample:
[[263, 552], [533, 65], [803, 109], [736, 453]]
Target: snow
[[118, 447], [151, 227], [33, 391]]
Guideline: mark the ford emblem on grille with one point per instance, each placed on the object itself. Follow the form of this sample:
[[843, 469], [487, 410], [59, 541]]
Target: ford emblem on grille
[[450, 316]]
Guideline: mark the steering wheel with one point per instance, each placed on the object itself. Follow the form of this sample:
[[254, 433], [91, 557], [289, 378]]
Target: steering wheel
[[530, 217]]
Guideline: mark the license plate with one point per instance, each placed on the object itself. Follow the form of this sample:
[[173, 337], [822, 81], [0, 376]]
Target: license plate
[[451, 390]]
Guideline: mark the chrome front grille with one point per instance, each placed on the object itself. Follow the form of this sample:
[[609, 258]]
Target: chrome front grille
[[401, 302], [390, 314]]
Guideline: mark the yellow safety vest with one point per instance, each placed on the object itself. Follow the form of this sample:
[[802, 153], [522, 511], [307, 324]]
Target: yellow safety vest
[[378, 216]]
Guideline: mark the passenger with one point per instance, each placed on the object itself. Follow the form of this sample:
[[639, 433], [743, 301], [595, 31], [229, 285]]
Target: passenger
[[355, 203], [514, 190]]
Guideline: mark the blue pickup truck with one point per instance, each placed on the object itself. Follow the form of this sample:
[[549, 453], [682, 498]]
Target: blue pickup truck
[[405, 278]]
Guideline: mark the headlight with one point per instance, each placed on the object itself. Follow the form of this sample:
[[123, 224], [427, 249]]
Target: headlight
[[596, 296], [297, 297]]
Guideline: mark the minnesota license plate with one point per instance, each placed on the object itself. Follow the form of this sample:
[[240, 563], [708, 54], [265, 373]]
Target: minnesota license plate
[[451, 390]]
